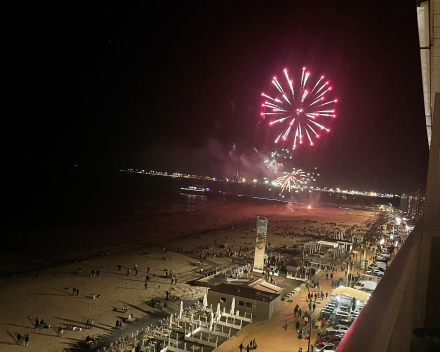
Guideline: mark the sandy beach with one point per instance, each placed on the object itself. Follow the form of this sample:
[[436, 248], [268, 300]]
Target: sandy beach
[[25, 297]]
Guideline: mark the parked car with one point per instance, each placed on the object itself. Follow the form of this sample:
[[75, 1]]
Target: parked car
[[377, 272], [321, 347]]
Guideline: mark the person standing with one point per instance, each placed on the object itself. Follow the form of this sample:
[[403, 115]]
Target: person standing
[[19, 337], [136, 272], [26, 340], [88, 324], [241, 347], [146, 285], [97, 273], [74, 291], [247, 348], [77, 291], [314, 306], [148, 269], [175, 281], [37, 323]]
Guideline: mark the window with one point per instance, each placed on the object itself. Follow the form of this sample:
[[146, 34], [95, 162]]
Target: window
[[248, 305], [241, 303], [223, 299]]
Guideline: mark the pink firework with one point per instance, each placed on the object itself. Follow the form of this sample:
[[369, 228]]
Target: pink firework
[[298, 109]]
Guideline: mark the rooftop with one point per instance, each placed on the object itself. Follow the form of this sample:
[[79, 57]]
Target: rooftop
[[246, 292]]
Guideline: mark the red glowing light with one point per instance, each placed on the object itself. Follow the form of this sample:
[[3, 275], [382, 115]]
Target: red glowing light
[[262, 94], [311, 143], [318, 136], [275, 78], [336, 100], [322, 77], [334, 116], [271, 123], [328, 130], [262, 104], [322, 98], [326, 82], [330, 88], [262, 114], [285, 70], [304, 67]]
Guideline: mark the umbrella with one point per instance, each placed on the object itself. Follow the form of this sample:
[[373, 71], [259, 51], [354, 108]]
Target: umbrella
[[181, 310], [218, 314], [233, 306], [211, 320], [205, 302]]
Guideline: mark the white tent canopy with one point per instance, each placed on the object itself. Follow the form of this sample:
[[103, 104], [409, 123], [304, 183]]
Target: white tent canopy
[[352, 293]]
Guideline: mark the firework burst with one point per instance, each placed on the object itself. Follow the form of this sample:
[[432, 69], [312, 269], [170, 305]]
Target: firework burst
[[297, 108], [297, 179]]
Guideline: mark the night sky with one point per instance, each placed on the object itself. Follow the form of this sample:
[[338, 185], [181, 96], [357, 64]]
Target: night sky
[[173, 86]]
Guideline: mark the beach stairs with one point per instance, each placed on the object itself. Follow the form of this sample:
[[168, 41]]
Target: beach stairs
[[289, 296]]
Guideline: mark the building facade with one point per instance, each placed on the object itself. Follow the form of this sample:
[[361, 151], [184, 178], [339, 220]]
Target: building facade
[[261, 304]]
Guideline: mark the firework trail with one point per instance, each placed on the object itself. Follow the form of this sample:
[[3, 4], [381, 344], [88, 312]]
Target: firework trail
[[297, 108]]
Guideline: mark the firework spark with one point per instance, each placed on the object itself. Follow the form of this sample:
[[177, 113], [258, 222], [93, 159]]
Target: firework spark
[[296, 110]]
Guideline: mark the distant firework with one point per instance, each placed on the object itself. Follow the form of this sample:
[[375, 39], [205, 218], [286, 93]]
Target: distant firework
[[298, 108], [297, 179]]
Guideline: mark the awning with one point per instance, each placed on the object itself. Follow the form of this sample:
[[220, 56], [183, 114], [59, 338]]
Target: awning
[[352, 293]]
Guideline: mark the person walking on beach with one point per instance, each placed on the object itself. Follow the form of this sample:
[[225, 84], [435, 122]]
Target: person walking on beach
[[146, 285], [314, 306], [19, 337], [97, 273], [136, 272], [148, 269], [241, 347], [77, 291], [88, 324], [128, 272], [175, 281], [74, 291], [37, 323], [119, 267], [255, 344], [26, 340]]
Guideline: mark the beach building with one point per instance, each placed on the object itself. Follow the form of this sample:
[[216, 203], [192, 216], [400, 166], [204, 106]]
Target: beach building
[[260, 299]]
